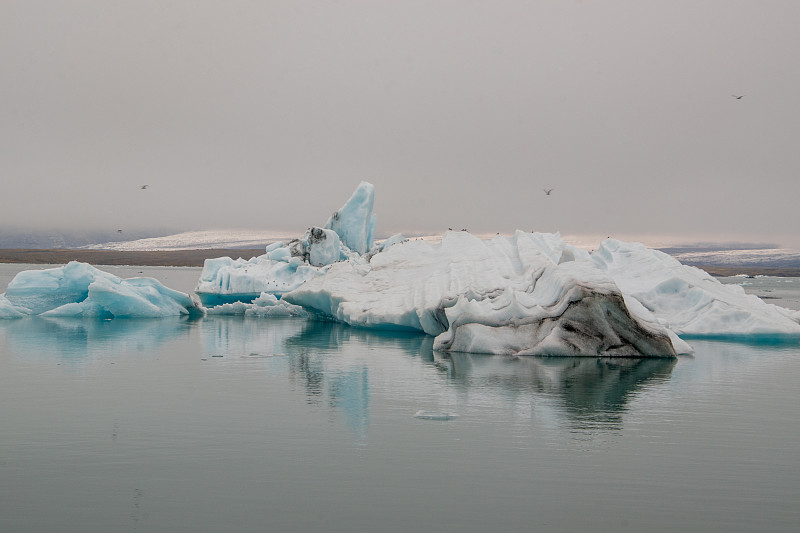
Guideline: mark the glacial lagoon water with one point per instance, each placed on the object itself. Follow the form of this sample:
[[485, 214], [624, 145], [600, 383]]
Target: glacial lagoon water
[[234, 424]]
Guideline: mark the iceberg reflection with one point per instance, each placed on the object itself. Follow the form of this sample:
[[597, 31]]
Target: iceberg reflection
[[342, 367], [50, 337], [588, 391], [353, 372]]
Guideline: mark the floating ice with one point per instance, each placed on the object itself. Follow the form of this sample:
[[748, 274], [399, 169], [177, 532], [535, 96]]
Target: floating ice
[[81, 290], [225, 280], [527, 294], [435, 415]]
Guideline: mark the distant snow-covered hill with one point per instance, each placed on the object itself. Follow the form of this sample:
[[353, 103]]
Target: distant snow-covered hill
[[763, 256], [38, 239], [200, 240], [771, 257]]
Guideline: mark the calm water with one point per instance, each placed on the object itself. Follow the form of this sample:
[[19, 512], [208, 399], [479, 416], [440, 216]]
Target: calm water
[[232, 424]]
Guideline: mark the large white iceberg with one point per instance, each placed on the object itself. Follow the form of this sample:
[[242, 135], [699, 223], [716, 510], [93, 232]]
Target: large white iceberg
[[81, 290], [529, 293]]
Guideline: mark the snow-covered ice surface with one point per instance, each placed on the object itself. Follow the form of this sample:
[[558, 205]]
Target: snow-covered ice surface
[[81, 290], [526, 294]]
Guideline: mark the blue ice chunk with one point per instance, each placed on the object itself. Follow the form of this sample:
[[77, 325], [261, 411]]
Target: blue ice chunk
[[42, 290], [354, 222], [81, 290]]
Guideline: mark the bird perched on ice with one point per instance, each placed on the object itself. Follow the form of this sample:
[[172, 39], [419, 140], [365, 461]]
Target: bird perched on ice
[[548, 191], [738, 97]]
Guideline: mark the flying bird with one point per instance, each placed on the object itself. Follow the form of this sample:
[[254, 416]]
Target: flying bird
[[738, 97], [143, 187], [548, 191], [119, 231]]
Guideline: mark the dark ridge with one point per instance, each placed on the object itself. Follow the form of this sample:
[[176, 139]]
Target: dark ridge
[[725, 271], [113, 257]]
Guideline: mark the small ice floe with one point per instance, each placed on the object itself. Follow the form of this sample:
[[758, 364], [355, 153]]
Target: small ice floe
[[435, 415], [260, 355], [79, 290]]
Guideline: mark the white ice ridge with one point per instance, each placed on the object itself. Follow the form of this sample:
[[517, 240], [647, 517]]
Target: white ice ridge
[[81, 290], [688, 300]]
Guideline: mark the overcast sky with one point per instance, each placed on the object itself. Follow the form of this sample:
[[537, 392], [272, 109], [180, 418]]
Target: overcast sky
[[267, 114]]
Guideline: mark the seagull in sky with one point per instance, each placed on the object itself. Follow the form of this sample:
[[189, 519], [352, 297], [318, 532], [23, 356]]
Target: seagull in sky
[[548, 191], [738, 97], [143, 187]]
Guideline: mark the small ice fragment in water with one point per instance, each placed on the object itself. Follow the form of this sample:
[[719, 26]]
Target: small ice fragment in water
[[435, 415]]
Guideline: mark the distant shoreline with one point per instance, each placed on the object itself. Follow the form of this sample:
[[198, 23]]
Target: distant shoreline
[[195, 258], [191, 258], [735, 270]]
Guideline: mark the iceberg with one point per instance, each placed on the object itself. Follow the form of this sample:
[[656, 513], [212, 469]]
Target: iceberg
[[81, 290], [225, 280], [527, 294]]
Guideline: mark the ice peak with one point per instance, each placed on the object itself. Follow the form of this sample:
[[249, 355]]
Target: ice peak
[[354, 222]]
